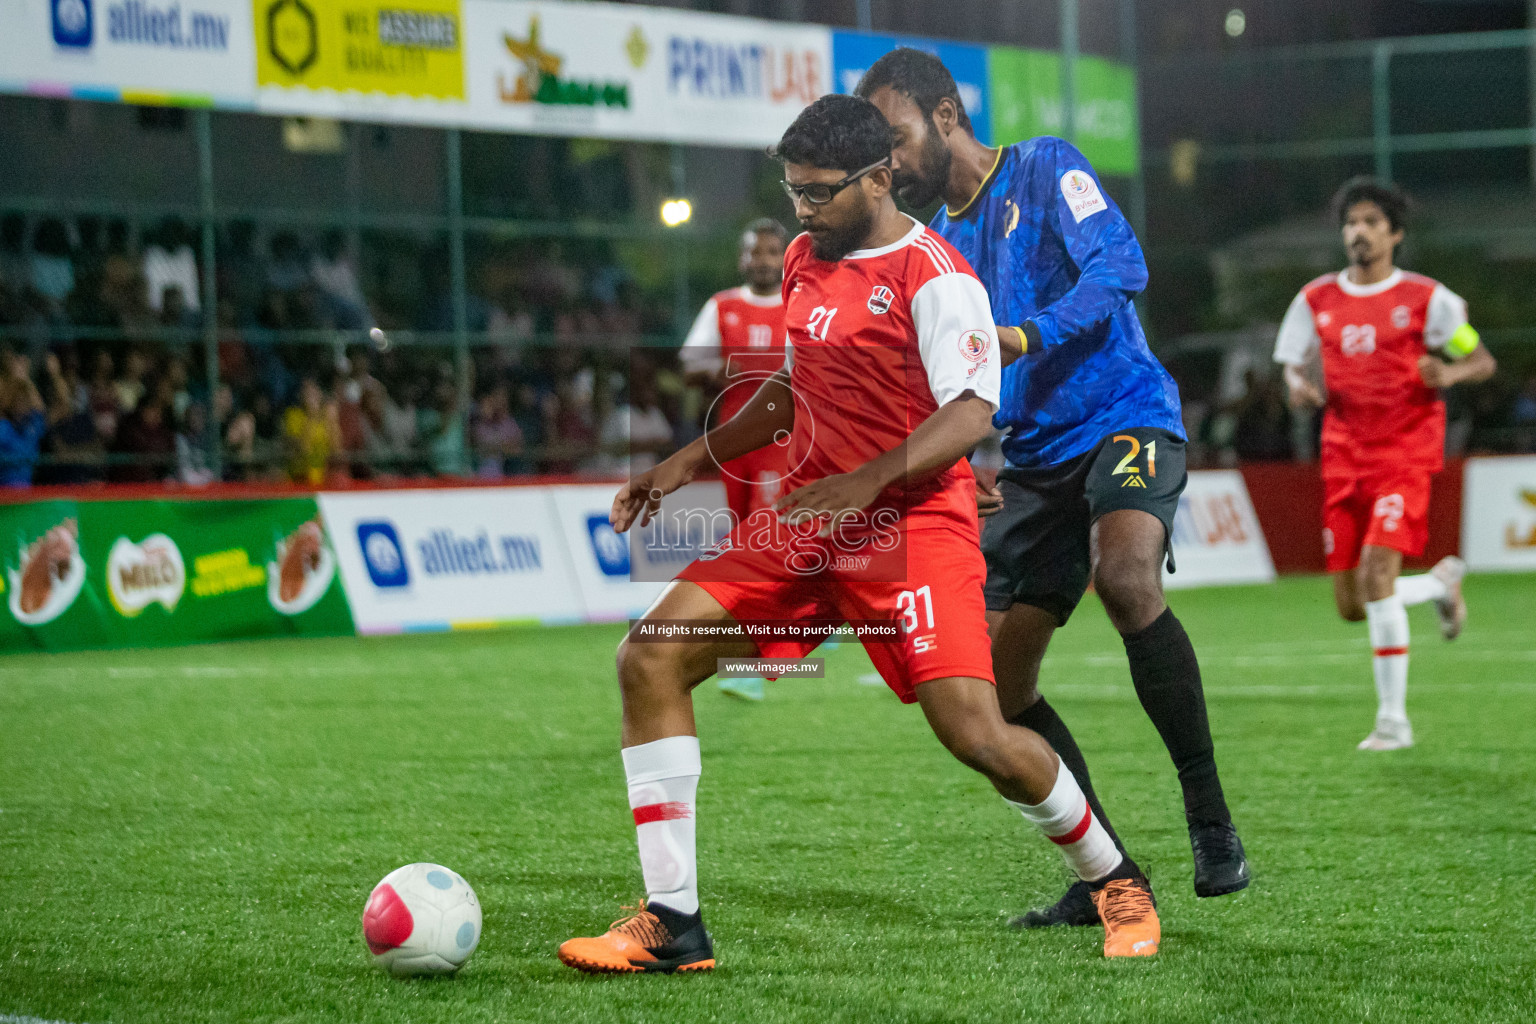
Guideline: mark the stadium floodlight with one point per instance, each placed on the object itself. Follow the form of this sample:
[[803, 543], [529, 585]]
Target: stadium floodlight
[[675, 212], [1236, 22]]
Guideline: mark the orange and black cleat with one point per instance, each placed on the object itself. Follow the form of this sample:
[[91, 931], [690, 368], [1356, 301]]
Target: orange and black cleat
[[1131, 927], [656, 939]]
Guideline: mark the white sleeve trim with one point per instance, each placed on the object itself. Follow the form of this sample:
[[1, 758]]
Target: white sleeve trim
[[1297, 341], [1447, 312], [701, 349], [957, 338]]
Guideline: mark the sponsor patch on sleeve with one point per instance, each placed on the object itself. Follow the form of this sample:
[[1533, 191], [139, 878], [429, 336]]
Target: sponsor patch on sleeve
[[974, 345], [1082, 194]]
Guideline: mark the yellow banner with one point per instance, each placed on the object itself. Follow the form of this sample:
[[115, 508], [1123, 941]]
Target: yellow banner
[[395, 47]]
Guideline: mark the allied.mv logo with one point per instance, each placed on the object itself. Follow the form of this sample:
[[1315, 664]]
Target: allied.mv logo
[[382, 554], [72, 23]]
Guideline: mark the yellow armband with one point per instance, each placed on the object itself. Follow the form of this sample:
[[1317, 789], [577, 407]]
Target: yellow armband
[[1460, 344]]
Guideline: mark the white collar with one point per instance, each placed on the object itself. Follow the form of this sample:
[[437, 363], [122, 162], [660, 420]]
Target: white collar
[[1349, 287], [906, 239]]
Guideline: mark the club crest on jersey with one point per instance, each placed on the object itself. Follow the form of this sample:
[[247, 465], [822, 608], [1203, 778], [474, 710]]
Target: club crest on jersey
[[974, 345], [1401, 317], [1082, 195], [880, 299]]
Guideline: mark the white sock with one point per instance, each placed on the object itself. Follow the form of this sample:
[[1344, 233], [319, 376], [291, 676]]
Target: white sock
[[1067, 821], [663, 790], [1387, 620], [1412, 590]]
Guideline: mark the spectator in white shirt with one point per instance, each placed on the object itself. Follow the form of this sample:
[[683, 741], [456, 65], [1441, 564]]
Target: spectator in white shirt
[[170, 263]]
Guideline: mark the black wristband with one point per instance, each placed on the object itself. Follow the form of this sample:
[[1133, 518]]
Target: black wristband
[[1031, 332]]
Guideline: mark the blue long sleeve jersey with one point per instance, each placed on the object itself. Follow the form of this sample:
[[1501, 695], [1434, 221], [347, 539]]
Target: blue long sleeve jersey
[[1051, 247]]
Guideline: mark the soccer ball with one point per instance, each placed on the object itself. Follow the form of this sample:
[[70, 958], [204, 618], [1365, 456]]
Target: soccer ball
[[421, 919]]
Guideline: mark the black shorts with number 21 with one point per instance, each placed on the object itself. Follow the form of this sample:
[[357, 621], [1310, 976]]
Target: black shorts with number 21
[[1037, 546]]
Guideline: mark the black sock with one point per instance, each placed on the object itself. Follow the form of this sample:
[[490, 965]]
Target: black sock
[[1127, 868], [675, 921], [1166, 675], [1043, 719]]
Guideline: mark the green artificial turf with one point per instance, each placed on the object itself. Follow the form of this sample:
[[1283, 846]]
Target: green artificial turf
[[189, 835]]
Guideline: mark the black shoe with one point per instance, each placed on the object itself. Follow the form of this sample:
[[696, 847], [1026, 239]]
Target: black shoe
[[1220, 867], [1074, 908]]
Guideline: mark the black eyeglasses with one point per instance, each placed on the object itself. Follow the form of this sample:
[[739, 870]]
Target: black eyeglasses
[[819, 192]]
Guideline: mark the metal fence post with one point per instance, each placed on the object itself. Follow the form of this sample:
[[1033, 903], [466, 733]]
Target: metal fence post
[[1136, 200], [681, 306], [458, 282], [1381, 108], [210, 298], [1069, 47]]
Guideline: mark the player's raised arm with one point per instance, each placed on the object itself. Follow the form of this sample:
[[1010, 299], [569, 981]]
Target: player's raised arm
[[766, 416], [1101, 243]]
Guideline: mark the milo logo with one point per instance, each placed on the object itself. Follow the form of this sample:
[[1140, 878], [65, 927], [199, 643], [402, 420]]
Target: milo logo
[[140, 574]]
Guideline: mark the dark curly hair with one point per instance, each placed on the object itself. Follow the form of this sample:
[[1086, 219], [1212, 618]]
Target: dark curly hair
[[839, 133], [920, 76], [1365, 189]]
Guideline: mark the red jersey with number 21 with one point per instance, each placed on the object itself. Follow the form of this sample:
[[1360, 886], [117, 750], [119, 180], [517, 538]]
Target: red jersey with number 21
[[878, 341]]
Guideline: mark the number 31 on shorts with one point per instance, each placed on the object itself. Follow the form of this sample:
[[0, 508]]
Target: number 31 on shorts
[[907, 604]]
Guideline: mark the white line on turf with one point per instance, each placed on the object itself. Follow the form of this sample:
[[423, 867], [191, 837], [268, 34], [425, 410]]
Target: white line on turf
[[11, 1018]]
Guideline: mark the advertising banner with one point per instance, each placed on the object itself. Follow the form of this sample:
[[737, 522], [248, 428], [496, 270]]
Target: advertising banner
[[631, 72], [854, 52], [451, 559], [1498, 513], [1025, 88], [1216, 536], [188, 52], [141, 573], [598, 70], [619, 577], [402, 59]]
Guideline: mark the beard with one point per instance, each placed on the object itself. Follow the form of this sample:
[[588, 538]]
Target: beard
[[764, 278], [832, 244], [919, 188]]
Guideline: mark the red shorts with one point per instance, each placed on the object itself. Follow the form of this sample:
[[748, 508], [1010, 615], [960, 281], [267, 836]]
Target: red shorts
[[752, 481], [931, 583], [1383, 510]]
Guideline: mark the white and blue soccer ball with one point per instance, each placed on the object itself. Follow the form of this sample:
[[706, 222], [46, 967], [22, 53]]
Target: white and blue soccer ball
[[422, 919]]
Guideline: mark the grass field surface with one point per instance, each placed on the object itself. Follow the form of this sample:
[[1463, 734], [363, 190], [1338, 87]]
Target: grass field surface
[[189, 835]]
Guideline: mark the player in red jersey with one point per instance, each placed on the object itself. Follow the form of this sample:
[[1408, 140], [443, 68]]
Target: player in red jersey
[[891, 378], [1389, 341], [737, 340]]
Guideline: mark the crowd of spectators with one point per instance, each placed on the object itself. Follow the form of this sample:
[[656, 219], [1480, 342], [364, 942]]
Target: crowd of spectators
[[321, 378], [331, 368]]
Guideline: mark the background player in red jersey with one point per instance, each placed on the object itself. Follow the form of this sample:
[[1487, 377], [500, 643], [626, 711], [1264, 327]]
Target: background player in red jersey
[[892, 378], [1388, 341], [736, 340]]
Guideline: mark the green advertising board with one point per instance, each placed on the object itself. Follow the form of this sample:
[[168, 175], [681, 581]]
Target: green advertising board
[[1025, 90], [80, 574]]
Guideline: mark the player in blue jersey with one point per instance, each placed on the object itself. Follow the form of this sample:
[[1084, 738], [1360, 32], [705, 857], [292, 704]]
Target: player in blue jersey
[[1094, 443]]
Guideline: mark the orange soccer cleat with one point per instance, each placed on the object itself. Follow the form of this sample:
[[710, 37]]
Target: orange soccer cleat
[[657, 939], [1131, 927]]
